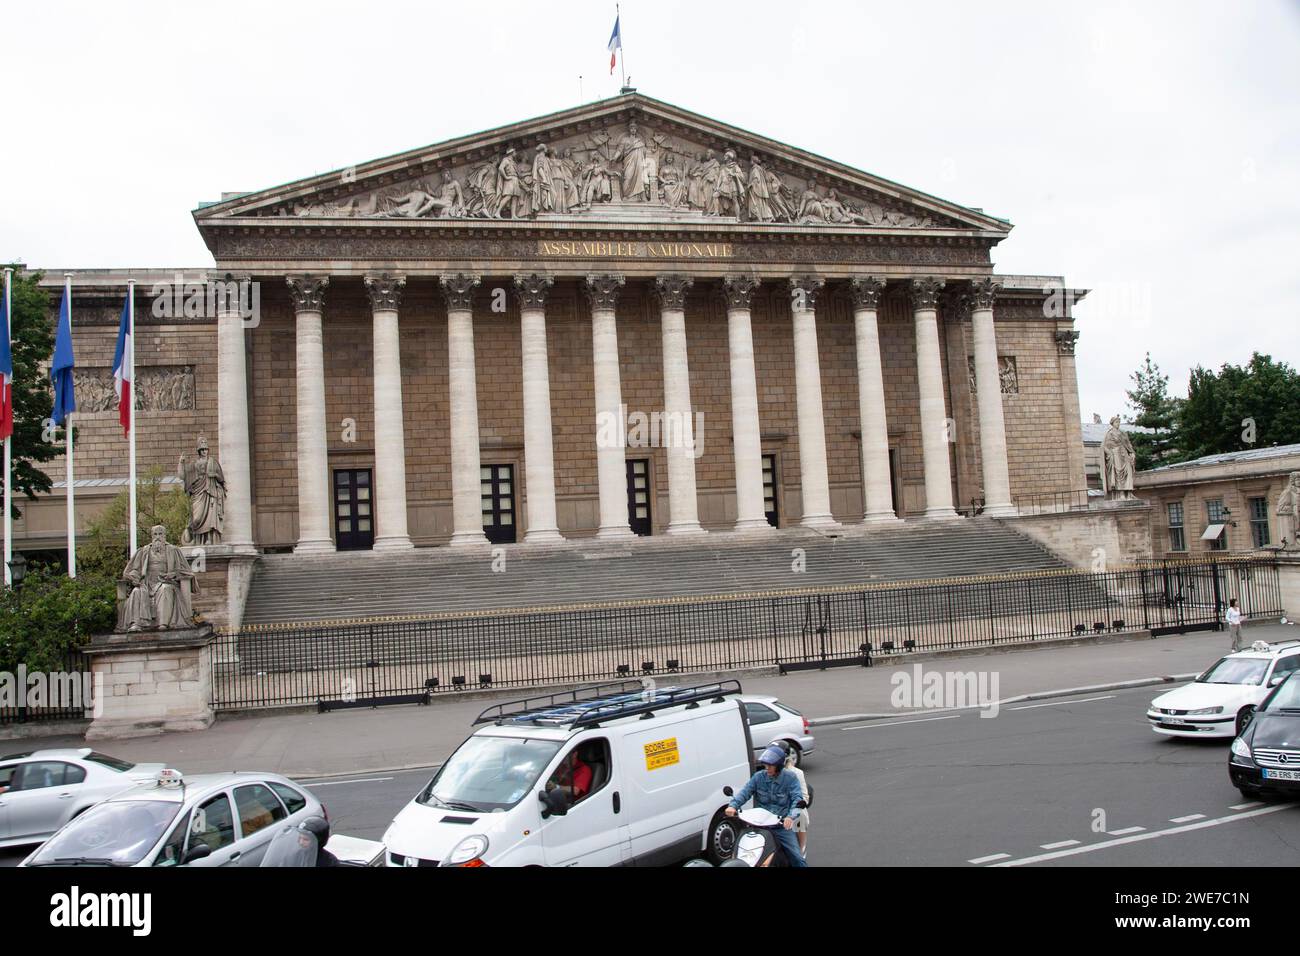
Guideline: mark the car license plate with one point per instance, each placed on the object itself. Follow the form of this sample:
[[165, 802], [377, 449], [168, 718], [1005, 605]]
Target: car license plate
[[1281, 774], [1174, 720]]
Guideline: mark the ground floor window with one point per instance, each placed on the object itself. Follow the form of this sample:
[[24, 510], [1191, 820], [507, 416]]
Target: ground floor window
[[1216, 530], [1177, 540], [1259, 522]]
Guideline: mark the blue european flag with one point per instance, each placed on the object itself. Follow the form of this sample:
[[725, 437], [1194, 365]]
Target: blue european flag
[[65, 398]]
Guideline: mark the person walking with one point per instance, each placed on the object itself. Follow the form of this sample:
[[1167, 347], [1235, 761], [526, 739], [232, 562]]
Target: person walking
[[1234, 624]]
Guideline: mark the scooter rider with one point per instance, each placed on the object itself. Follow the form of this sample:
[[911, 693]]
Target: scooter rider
[[777, 791]]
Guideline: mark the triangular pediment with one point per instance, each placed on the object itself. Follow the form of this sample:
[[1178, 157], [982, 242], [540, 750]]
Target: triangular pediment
[[630, 159]]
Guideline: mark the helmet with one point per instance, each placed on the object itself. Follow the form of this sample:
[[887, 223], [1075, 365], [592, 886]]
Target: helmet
[[318, 827], [773, 756]]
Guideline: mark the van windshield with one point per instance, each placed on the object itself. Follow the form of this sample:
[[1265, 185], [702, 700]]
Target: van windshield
[[489, 773]]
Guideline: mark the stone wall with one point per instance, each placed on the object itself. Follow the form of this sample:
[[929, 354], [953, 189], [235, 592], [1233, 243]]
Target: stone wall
[[1095, 540]]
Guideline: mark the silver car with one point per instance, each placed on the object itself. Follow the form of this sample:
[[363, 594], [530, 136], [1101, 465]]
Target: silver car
[[771, 721], [41, 790], [215, 819]]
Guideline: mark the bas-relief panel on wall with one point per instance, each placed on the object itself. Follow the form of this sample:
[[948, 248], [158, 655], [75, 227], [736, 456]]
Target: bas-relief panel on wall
[[1008, 374], [618, 172], [158, 388]]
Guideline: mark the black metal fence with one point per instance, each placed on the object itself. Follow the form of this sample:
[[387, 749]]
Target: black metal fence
[[374, 662], [36, 696]]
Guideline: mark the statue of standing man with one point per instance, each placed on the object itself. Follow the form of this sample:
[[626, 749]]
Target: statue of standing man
[[206, 486], [1120, 462]]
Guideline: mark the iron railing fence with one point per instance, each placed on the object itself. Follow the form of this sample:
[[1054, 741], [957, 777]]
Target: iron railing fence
[[364, 663], [32, 696], [1052, 502]]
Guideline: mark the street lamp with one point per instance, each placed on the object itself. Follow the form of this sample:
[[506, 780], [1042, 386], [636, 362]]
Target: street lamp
[[17, 571]]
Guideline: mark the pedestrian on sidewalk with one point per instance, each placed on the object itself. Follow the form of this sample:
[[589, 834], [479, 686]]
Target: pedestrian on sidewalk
[[1234, 624]]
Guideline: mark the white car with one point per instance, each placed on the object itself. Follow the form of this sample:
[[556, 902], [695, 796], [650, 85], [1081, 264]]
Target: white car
[[41, 790], [771, 721], [1220, 702]]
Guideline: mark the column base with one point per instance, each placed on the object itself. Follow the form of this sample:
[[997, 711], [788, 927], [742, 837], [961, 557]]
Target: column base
[[818, 521], [325, 546], [615, 531], [752, 524], [462, 539], [684, 528], [395, 543], [881, 518], [542, 535], [1000, 511], [942, 514]]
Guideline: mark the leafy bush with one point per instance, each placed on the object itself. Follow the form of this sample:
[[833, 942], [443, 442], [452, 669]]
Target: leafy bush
[[51, 615]]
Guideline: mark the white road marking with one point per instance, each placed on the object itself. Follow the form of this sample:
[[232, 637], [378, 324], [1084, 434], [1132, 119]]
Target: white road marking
[[1189, 818], [1057, 846], [1246, 806], [1125, 832], [335, 783], [1061, 703], [895, 723], [990, 859], [1152, 835]]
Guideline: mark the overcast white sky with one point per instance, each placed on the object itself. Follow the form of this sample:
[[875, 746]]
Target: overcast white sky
[[1149, 151]]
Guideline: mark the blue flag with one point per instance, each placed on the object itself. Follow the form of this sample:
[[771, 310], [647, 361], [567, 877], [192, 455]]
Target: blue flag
[[65, 399]]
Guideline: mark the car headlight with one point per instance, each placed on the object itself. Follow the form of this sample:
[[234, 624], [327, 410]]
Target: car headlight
[[467, 851], [1205, 710], [1242, 749]]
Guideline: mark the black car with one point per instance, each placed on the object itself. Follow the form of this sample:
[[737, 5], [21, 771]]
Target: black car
[[1266, 757]]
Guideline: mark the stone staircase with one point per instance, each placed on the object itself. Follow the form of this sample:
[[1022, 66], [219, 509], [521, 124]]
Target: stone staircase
[[365, 585]]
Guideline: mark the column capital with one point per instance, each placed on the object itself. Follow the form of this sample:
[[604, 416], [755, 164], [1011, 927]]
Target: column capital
[[671, 291], [602, 290], [866, 292], [458, 289], [982, 293], [532, 290], [924, 292], [1065, 340], [804, 291], [738, 290], [308, 292], [229, 290], [385, 292]]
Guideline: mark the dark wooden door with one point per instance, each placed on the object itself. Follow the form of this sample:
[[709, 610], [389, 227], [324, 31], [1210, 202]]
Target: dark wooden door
[[498, 499], [770, 503], [353, 510], [638, 495]]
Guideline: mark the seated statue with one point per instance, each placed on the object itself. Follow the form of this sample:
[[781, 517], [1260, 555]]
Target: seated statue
[[160, 587]]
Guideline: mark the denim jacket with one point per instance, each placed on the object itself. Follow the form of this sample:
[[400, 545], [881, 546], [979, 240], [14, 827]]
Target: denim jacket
[[777, 794]]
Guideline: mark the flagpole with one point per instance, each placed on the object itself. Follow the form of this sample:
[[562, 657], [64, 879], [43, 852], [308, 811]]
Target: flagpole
[[8, 455], [67, 424], [130, 311], [622, 60]]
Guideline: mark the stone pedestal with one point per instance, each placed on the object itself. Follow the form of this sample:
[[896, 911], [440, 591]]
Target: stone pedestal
[[1288, 579], [151, 682]]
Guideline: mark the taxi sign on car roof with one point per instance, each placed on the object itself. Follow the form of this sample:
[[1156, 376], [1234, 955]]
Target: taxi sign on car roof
[[170, 778]]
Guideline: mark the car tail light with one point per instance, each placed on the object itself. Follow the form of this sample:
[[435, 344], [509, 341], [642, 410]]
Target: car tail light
[[805, 725]]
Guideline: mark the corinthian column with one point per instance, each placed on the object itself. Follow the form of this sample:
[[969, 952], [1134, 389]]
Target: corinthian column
[[232, 414], [539, 454], [988, 388], [877, 499], [390, 441], [611, 422], [466, 485], [747, 439], [313, 458], [929, 377], [683, 509], [813, 480]]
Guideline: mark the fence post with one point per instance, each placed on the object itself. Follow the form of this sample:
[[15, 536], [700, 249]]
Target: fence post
[[1218, 596], [1146, 609]]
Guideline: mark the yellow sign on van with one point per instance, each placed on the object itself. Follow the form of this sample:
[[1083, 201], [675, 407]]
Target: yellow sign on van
[[661, 753]]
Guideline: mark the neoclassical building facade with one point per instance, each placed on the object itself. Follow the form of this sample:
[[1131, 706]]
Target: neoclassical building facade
[[619, 319]]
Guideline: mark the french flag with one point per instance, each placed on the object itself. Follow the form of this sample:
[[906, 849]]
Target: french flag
[[6, 375], [122, 371], [615, 44]]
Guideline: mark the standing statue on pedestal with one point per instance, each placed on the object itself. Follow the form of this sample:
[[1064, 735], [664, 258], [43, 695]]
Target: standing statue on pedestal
[[1288, 510], [206, 486], [159, 587], [1120, 461]]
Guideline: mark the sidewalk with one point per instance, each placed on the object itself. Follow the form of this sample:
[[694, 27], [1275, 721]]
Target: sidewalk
[[350, 742]]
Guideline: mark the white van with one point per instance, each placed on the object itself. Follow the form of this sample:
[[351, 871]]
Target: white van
[[609, 775]]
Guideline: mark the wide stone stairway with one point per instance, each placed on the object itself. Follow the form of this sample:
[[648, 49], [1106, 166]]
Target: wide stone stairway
[[364, 585]]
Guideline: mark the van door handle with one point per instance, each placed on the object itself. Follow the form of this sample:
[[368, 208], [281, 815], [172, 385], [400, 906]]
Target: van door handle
[[65, 796], [618, 804]]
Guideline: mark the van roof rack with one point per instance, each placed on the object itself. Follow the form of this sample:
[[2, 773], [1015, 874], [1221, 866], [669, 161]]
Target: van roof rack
[[587, 706]]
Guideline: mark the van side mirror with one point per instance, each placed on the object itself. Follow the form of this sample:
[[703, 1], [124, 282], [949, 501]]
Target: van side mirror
[[554, 802], [728, 792], [198, 851], [1277, 680]]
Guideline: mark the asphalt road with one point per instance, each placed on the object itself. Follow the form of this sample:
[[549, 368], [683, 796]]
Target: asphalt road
[[1076, 781]]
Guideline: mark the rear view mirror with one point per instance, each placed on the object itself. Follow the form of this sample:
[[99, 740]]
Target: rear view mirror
[[198, 851], [554, 802], [728, 792], [1277, 680]]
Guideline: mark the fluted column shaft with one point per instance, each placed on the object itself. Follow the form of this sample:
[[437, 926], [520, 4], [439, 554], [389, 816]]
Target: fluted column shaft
[[539, 452], [934, 422], [390, 439], [466, 483], [313, 455], [683, 507], [611, 422], [988, 389], [747, 437], [232, 417], [877, 497], [813, 477]]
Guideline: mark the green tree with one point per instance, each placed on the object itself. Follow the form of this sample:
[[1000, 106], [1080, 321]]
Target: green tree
[[103, 549], [32, 343], [51, 615], [1251, 406], [1152, 408]]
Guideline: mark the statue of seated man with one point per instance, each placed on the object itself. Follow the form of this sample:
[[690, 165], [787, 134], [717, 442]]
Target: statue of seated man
[[161, 586]]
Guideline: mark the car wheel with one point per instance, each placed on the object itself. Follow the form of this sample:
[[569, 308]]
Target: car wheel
[[1244, 717], [723, 834]]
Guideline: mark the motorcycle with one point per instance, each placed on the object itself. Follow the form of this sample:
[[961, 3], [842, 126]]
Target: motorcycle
[[757, 844]]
